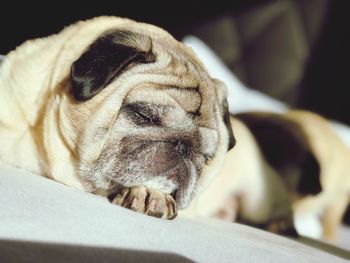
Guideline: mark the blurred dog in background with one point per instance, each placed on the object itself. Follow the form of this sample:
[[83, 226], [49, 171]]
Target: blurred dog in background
[[286, 171]]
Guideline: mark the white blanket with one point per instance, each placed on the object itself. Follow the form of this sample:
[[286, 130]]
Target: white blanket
[[37, 209]]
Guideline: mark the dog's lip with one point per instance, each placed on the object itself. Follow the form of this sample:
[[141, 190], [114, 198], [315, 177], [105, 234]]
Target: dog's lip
[[185, 191]]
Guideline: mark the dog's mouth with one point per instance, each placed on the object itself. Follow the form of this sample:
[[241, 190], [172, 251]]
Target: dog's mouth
[[187, 179], [184, 177], [165, 166]]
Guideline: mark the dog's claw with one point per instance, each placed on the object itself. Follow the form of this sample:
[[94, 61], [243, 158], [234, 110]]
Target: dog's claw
[[147, 201]]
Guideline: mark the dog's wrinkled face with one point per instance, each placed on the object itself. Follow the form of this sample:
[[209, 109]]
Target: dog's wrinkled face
[[157, 143], [155, 117]]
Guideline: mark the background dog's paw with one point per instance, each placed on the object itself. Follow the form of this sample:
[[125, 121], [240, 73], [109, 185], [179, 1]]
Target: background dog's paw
[[147, 201], [282, 226]]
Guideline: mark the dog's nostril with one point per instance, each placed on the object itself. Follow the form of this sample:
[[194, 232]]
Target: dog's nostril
[[208, 157], [182, 148], [173, 194]]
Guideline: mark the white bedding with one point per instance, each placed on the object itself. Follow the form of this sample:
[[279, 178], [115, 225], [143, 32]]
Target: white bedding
[[37, 209]]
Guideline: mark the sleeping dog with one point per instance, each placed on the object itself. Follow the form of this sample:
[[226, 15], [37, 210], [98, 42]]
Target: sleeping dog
[[122, 109], [286, 170], [117, 108]]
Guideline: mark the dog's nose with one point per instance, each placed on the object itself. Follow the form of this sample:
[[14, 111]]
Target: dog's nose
[[163, 156], [160, 157], [182, 148]]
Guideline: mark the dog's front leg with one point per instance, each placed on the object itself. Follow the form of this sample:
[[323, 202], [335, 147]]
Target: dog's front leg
[[147, 201]]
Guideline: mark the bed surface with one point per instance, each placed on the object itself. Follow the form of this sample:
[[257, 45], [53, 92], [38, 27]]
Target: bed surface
[[40, 217]]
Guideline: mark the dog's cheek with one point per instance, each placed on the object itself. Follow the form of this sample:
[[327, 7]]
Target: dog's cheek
[[209, 140], [187, 187]]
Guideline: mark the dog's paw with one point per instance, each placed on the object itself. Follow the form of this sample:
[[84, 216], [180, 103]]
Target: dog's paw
[[282, 226], [147, 201]]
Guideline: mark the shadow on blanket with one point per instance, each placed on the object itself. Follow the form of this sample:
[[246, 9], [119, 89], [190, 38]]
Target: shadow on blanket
[[24, 251], [337, 251]]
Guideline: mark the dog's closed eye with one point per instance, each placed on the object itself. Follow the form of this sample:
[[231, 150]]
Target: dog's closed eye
[[143, 114]]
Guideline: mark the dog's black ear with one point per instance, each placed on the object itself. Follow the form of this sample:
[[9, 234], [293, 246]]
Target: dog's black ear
[[232, 139], [107, 58]]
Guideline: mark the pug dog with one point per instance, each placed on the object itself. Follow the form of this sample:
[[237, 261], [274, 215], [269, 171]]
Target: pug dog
[[247, 190], [118, 108], [289, 174], [313, 163]]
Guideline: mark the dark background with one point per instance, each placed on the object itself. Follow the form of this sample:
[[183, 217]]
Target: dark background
[[24, 21], [325, 82]]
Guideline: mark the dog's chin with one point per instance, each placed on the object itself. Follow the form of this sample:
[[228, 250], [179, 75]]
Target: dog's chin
[[179, 181], [160, 166]]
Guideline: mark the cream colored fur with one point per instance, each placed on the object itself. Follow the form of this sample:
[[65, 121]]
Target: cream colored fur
[[247, 176], [258, 192], [334, 159], [42, 131]]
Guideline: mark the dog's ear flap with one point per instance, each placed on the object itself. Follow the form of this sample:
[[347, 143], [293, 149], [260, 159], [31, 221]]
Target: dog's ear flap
[[107, 58], [222, 98], [226, 117]]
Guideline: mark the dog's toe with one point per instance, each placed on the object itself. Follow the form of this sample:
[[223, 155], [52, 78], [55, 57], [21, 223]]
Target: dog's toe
[[147, 201], [120, 198]]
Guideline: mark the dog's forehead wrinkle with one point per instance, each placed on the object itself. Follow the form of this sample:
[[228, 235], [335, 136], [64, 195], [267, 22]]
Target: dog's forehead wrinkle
[[188, 99], [142, 105], [178, 109], [172, 120]]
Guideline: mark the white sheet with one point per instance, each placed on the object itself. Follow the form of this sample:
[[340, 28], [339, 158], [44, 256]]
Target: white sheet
[[34, 208]]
